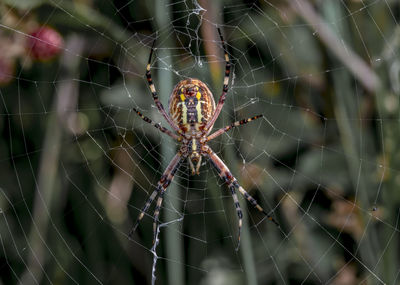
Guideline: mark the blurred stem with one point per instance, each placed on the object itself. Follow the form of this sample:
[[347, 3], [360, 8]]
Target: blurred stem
[[388, 110], [348, 131], [46, 196], [351, 134], [209, 34], [212, 50], [336, 45], [173, 241]]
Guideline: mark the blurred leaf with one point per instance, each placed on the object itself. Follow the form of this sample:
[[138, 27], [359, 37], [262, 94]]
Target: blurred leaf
[[291, 127], [327, 167], [25, 4], [294, 50]]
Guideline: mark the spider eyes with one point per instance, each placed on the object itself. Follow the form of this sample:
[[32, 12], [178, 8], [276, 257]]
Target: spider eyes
[[190, 89]]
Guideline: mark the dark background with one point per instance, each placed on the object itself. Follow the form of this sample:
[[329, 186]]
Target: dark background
[[76, 164]]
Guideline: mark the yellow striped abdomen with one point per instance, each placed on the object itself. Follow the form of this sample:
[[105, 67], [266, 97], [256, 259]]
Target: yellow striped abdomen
[[191, 105]]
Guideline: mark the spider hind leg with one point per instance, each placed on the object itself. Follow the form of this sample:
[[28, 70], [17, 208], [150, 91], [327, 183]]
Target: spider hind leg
[[162, 186], [238, 211], [225, 174], [144, 210], [255, 204]]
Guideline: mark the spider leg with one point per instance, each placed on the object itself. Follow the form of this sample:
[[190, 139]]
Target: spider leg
[[255, 204], [235, 124], [157, 214], [144, 210], [159, 105], [225, 86], [156, 125], [238, 211], [162, 186], [227, 176]]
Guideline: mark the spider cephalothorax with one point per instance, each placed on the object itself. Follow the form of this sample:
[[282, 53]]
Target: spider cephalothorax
[[192, 114]]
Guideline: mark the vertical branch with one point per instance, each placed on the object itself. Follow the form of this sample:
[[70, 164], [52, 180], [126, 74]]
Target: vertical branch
[[173, 240], [46, 194], [210, 37], [352, 137], [387, 101], [209, 33]]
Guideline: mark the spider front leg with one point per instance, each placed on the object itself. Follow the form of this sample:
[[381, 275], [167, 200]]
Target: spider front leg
[[157, 101], [162, 186], [156, 125], [229, 127], [221, 100], [225, 174]]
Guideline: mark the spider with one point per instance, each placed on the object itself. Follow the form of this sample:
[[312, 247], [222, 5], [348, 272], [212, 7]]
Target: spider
[[192, 114]]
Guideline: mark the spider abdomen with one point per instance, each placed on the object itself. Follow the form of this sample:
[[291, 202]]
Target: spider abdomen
[[191, 105]]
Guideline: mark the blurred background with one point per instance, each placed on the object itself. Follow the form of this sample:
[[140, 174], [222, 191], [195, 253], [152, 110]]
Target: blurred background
[[77, 164]]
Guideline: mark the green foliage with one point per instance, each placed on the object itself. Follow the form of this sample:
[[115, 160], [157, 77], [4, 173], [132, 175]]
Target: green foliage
[[77, 164]]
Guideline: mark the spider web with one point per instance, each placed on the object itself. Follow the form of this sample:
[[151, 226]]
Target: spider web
[[78, 164]]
